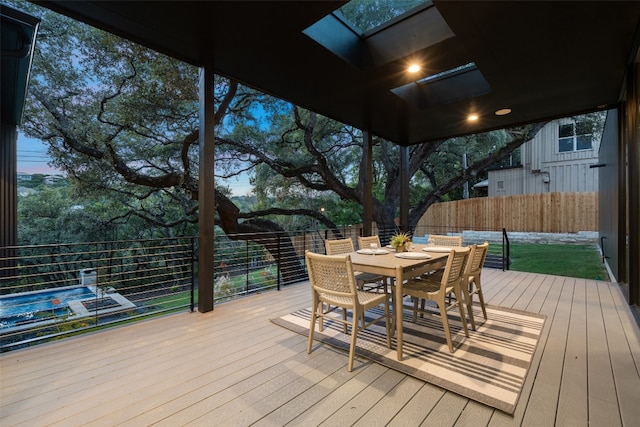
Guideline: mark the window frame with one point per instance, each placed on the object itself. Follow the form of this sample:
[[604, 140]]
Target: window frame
[[576, 140]]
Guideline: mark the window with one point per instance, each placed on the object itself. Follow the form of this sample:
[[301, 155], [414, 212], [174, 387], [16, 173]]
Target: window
[[574, 136]]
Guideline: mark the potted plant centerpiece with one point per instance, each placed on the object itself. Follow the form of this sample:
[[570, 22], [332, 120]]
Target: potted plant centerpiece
[[401, 241]]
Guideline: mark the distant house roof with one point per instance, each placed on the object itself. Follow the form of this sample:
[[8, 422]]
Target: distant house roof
[[482, 184]]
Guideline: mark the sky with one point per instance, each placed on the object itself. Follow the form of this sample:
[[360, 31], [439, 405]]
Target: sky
[[33, 158]]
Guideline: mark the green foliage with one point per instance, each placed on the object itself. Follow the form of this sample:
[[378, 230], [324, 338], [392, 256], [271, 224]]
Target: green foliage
[[38, 179], [173, 301], [51, 216], [400, 239], [61, 215]]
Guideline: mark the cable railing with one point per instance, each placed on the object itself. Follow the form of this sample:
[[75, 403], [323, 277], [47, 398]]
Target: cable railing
[[50, 291]]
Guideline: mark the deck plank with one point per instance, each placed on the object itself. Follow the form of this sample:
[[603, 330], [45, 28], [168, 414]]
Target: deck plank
[[418, 407], [234, 367], [603, 405], [288, 412], [446, 411], [108, 379], [623, 348], [543, 402], [360, 405], [553, 287], [392, 403], [341, 394], [573, 406], [475, 414]]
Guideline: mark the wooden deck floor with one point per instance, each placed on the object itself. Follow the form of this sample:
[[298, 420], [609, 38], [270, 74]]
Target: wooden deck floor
[[233, 367]]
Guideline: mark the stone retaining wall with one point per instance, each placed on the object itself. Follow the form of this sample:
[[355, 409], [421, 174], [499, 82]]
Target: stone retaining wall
[[469, 236]]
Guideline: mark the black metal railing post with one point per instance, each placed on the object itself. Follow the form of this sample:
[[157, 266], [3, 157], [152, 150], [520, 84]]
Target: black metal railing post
[[506, 250], [304, 241], [98, 278], [193, 275], [604, 256], [279, 258], [246, 266]]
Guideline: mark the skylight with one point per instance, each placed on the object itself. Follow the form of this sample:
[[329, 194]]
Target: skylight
[[457, 84], [367, 15], [387, 30]]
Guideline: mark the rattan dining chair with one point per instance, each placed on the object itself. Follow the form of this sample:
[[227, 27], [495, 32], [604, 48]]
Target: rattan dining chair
[[429, 288], [471, 283], [366, 241], [332, 282], [363, 280], [442, 240], [474, 272]]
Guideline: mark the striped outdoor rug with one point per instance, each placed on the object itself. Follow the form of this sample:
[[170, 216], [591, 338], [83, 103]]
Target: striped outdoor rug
[[489, 367]]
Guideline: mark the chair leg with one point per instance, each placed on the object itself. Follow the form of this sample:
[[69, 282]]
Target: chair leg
[[344, 317], [476, 281], [390, 292], [467, 299], [463, 318], [415, 309], [387, 320], [445, 322], [312, 326], [354, 334]]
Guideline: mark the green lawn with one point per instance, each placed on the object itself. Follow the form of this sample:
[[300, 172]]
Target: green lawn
[[581, 261]]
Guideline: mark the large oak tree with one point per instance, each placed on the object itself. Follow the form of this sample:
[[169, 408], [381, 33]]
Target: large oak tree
[[122, 121]]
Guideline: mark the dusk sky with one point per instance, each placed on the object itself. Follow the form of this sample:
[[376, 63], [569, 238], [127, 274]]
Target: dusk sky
[[33, 158]]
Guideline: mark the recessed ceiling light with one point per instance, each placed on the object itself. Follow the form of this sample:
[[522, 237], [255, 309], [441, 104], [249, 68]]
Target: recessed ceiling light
[[413, 68], [473, 117], [503, 112]]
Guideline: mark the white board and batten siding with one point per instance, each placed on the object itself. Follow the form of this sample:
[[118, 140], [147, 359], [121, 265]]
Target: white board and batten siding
[[546, 169]]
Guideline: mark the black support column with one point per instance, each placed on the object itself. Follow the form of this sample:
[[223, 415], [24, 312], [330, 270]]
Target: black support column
[[8, 198], [633, 115], [367, 184], [206, 191], [404, 188]]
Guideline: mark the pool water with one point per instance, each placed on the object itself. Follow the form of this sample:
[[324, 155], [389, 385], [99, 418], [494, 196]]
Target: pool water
[[22, 308]]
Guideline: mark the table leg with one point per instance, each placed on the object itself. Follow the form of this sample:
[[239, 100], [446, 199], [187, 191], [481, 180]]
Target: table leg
[[397, 311]]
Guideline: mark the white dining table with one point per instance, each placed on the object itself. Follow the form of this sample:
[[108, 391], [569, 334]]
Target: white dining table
[[401, 269]]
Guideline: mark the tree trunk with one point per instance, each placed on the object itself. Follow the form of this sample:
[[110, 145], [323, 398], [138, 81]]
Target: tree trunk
[[263, 232]]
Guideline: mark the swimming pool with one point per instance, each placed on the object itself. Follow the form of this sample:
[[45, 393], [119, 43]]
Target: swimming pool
[[17, 309]]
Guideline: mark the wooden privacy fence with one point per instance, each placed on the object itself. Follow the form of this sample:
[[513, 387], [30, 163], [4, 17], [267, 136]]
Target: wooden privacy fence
[[543, 212]]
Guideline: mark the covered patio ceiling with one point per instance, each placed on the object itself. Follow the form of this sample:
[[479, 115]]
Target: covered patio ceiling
[[540, 59]]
